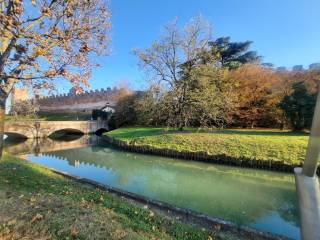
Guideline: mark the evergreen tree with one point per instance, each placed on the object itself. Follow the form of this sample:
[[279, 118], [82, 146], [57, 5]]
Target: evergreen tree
[[299, 106], [232, 54]]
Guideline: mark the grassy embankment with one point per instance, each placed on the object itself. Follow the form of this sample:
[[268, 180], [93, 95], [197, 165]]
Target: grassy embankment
[[264, 145], [50, 117], [36, 203]]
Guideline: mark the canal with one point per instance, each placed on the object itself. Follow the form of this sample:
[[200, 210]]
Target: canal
[[259, 199]]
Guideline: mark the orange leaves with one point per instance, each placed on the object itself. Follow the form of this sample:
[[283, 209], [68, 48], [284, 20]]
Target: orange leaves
[[254, 82], [74, 232], [56, 31], [50, 72], [46, 11], [37, 217], [46, 86], [68, 11], [36, 37], [53, 37], [39, 51], [7, 21]]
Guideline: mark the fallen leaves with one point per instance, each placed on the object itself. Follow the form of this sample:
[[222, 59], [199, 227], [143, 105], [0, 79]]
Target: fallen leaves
[[37, 217], [74, 232], [151, 214], [217, 227], [12, 222]]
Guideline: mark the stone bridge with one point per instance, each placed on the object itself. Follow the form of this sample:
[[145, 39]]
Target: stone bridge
[[43, 129]]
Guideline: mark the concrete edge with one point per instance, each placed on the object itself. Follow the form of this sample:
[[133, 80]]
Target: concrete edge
[[186, 215]]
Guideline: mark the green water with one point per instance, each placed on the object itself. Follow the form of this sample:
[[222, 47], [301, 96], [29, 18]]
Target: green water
[[263, 200]]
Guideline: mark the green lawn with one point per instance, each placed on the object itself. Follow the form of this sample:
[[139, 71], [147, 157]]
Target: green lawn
[[276, 145], [36, 203], [51, 117]]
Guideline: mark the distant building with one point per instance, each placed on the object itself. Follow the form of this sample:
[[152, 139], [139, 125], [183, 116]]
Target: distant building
[[268, 65], [298, 68], [281, 69], [314, 66], [19, 95]]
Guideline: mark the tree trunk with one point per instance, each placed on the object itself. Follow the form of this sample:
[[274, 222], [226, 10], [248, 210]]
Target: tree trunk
[[2, 116]]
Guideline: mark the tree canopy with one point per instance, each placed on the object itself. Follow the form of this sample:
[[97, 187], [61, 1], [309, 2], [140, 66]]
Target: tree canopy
[[191, 69], [196, 80], [42, 41]]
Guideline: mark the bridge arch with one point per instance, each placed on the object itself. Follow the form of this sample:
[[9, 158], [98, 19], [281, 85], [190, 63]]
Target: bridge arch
[[58, 133], [101, 131], [15, 135]]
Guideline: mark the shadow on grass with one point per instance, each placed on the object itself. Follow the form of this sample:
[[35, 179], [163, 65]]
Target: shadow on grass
[[137, 132], [24, 176], [261, 132]]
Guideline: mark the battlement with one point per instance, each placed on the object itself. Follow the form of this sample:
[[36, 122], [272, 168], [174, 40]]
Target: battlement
[[97, 92], [85, 101]]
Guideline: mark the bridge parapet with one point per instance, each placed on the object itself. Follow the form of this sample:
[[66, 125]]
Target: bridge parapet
[[43, 129]]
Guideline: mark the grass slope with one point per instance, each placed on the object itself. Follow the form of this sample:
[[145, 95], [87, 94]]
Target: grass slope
[[36, 203], [259, 144]]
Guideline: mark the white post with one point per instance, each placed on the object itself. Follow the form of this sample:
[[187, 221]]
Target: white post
[[313, 151], [307, 183]]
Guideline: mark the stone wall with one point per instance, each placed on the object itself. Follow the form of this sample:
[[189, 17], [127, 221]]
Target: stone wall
[[83, 102], [19, 95]]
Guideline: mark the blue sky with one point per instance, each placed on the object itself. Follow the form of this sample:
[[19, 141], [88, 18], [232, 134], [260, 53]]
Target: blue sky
[[285, 32]]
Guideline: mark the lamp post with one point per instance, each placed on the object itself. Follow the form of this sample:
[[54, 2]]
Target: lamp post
[[307, 183]]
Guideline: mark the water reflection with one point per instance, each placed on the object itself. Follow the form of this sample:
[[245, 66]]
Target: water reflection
[[261, 199], [43, 145]]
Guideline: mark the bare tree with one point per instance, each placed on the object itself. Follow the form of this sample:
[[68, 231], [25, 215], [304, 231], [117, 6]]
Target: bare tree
[[42, 41], [170, 60]]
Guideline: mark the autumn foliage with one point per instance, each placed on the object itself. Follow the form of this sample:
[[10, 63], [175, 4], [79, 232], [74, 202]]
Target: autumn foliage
[[44, 41], [203, 82]]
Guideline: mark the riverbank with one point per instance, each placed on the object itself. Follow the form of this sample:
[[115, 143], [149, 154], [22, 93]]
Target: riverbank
[[46, 205], [264, 149]]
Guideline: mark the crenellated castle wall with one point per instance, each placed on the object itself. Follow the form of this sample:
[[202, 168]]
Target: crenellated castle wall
[[83, 102]]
